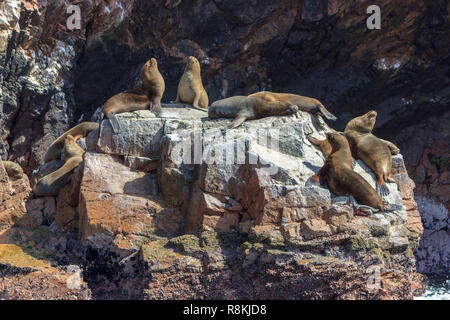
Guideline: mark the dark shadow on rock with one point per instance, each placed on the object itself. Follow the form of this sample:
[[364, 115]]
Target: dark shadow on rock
[[145, 186]]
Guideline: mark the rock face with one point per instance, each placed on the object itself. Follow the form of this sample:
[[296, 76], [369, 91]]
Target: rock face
[[229, 214], [51, 77], [176, 207]]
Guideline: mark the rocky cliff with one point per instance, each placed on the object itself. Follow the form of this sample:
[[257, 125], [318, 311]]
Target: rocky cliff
[[177, 207], [52, 77]]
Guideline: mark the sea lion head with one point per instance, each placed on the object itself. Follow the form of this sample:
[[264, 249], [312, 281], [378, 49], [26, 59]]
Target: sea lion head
[[14, 171], [152, 63], [148, 70], [70, 139], [337, 140], [71, 148], [192, 63], [364, 123]]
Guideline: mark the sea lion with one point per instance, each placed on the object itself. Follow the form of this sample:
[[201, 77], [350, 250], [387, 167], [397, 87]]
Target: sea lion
[[325, 146], [374, 152], [147, 94], [243, 108], [190, 87], [13, 170], [310, 105], [341, 178], [79, 131], [55, 181]]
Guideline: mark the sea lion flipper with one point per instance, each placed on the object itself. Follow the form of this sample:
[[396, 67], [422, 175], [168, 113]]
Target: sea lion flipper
[[392, 147], [390, 179], [199, 108], [382, 189], [323, 111], [318, 177], [114, 122], [196, 100], [237, 121]]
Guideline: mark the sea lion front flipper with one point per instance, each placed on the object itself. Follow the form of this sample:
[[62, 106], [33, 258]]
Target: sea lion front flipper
[[316, 179], [238, 121], [155, 107], [392, 147], [113, 121], [390, 179], [382, 189], [196, 101]]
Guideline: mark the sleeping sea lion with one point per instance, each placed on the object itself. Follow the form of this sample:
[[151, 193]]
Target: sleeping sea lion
[[13, 170], [79, 131], [51, 184], [243, 108]]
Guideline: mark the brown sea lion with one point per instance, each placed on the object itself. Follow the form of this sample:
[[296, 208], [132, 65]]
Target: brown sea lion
[[146, 95], [243, 108], [310, 105], [13, 170], [341, 178], [51, 184], [190, 87], [325, 146], [374, 152], [79, 131]]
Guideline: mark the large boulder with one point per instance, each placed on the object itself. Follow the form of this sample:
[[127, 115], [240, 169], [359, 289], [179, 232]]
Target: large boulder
[[246, 183]]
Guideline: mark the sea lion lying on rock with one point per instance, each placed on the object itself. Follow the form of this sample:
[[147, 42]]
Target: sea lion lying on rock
[[190, 87], [310, 105], [341, 178], [243, 108], [374, 152], [146, 95], [51, 184], [13, 170], [79, 131]]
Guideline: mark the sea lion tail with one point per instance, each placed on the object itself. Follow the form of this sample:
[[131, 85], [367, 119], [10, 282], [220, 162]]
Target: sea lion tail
[[326, 113]]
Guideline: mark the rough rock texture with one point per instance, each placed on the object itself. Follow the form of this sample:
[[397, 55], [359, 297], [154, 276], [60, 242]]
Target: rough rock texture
[[144, 218], [255, 215], [28, 270], [52, 77], [13, 196]]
